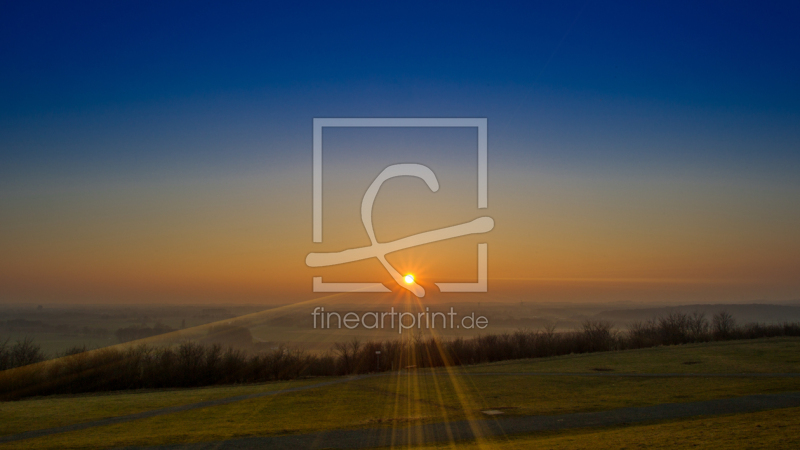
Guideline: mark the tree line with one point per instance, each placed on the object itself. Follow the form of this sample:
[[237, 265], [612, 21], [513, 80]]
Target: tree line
[[193, 364]]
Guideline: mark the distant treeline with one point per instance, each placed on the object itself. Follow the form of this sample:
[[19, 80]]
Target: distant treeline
[[203, 364]]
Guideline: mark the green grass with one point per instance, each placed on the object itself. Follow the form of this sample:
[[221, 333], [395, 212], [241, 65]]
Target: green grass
[[48, 412], [773, 355], [526, 395], [777, 429], [399, 399]]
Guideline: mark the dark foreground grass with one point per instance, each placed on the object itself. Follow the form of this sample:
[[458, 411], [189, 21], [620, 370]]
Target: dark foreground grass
[[777, 429], [436, 395]]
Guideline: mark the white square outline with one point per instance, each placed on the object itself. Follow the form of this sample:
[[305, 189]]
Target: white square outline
[[363, 122]]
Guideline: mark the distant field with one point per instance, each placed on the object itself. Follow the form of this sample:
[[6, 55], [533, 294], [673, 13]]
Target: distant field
[[399, 399], [58, 328], [289, 325], [54, 344]]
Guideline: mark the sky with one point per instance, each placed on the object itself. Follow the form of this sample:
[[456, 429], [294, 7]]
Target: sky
[[161, 151]]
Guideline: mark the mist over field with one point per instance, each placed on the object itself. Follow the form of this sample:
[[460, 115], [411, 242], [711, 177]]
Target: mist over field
[[58, 328]]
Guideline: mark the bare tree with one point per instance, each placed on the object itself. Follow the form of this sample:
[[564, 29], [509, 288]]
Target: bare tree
[[723, 325]]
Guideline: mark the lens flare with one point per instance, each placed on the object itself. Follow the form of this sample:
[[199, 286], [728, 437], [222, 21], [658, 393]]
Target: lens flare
[[409, 278]]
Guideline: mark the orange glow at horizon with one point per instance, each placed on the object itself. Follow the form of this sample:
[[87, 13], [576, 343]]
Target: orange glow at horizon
[[225, 239]]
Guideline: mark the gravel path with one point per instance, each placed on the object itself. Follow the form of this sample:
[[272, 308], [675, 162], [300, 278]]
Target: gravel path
[[464, 430]]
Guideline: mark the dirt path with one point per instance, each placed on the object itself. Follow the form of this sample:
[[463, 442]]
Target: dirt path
[[381, 431], [463, 430]]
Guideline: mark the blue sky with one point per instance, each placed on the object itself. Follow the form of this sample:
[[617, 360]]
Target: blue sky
[[686, 110], [721, 60], [72, 55]]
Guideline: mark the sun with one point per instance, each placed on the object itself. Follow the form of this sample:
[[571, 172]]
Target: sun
[[409, 279]]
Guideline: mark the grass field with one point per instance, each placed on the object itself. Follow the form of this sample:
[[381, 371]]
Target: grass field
[[34, 414], [399, 399], [763, 430], [775, 355]]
